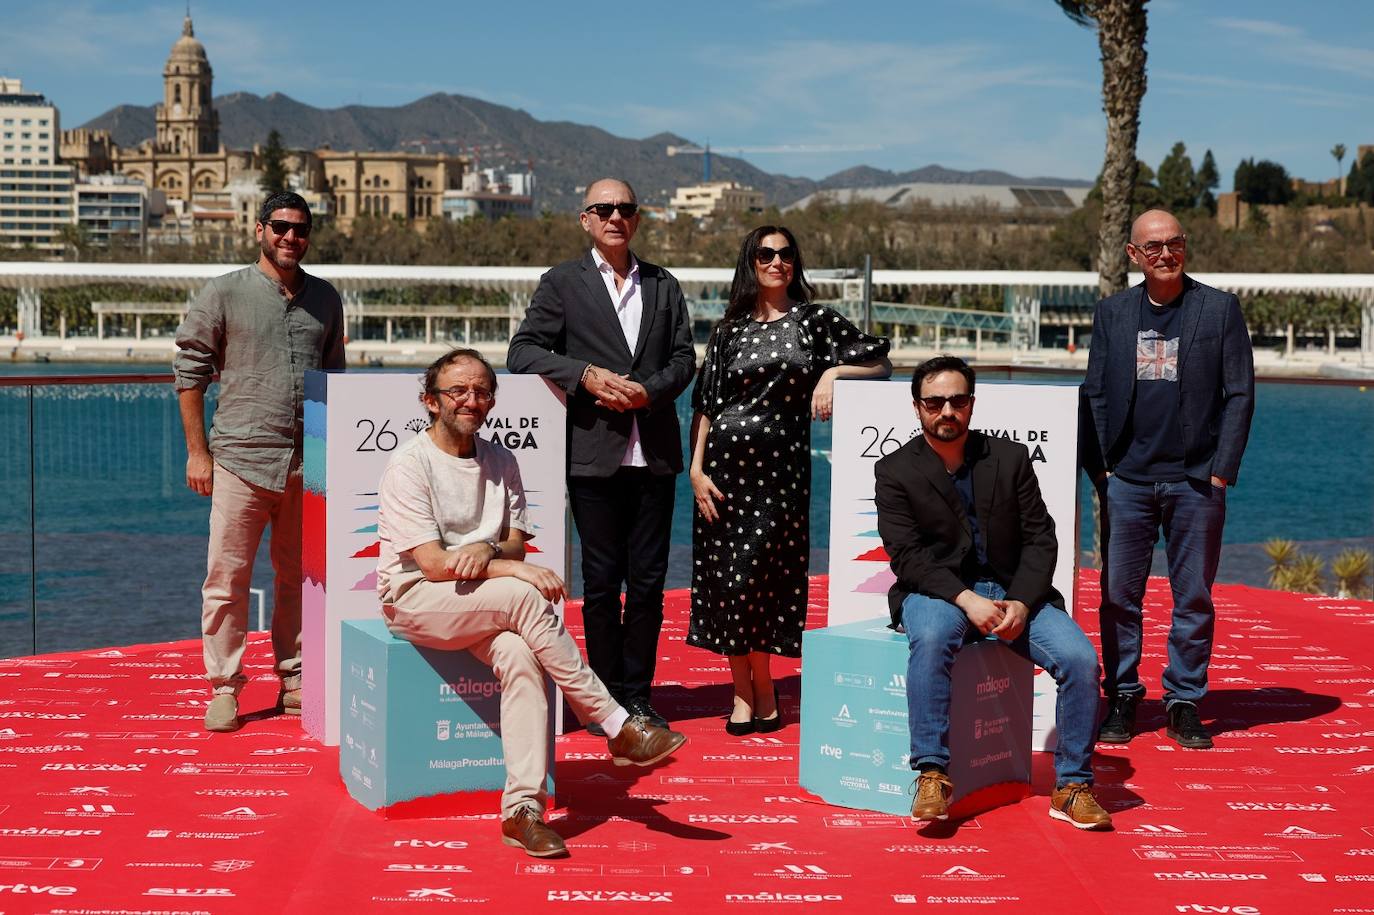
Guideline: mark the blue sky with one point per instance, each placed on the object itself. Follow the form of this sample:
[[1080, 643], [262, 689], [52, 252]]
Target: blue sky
[[1006, 84]]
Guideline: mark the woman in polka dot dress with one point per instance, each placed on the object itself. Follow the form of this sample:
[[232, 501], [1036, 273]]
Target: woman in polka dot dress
[[770, 367]]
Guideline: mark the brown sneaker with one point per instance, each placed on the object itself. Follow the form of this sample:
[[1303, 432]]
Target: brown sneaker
[[933, 790], [1074, 803], [640, 743], [289, 701], [222, 714], [526, 829]]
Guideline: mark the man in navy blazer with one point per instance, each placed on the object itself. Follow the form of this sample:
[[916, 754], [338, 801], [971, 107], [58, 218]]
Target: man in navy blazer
[[973, 549], [1167, 403], [614, 332]]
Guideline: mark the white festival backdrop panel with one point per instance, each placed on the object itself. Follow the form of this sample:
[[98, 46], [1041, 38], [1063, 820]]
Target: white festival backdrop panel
[[873, 419], [367, 417]]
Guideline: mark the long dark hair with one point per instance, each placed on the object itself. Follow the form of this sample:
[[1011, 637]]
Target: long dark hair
[[744, 289]]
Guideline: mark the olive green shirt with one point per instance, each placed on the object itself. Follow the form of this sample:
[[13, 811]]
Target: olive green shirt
[[244, 326]]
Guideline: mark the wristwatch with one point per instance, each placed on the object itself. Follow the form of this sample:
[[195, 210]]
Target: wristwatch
[[495, 548]]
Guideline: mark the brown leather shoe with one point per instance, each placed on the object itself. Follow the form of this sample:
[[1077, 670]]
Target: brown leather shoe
[[289, 701], [1074, 804], [640, 743], [933, 790], [527, 830]]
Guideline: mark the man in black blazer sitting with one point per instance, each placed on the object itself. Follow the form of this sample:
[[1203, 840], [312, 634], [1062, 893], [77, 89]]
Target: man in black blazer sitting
[[973, 548], [614, 332], [1168, 399]]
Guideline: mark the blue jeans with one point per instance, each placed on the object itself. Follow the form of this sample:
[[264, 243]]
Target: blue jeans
[[937, 629], [1191, 514]]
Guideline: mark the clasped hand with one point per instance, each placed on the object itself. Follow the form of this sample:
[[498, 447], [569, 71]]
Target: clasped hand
[[615, 392], [1004, 619]]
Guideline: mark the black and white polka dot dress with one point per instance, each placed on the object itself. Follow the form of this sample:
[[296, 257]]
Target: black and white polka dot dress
[[749, 566]]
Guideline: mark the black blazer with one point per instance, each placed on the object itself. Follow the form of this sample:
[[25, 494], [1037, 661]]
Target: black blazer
[[1216, 381], [927, 535], [571, 322]]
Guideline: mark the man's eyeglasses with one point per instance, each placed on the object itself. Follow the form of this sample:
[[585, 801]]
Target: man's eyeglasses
[[281, 226], [604, 210], [460, 394], [1153, 249], [937, 404], [764, 255]]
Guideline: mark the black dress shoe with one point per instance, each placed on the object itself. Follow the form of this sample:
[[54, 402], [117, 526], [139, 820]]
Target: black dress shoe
[[773, 722], [640, 708], [595, 729], [739, 728]]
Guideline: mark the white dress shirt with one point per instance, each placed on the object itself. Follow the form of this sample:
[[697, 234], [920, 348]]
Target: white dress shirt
[[629, 309]]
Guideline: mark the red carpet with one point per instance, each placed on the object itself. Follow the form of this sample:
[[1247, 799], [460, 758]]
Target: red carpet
[[114, 801]]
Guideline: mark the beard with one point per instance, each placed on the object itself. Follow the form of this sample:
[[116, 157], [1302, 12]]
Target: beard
[[283, 258], [945, 430]]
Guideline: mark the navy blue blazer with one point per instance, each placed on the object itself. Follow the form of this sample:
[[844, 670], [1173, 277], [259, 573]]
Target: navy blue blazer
[[1216, 381]]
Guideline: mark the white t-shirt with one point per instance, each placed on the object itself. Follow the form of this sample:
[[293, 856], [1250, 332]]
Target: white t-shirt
[[428, 494]]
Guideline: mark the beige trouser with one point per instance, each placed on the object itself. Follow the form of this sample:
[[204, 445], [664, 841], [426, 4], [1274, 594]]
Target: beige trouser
[[509, 625], [238, 513]]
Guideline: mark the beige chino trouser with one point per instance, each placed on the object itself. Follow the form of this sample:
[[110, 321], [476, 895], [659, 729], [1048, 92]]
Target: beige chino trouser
[[508, 625], [238, 513]]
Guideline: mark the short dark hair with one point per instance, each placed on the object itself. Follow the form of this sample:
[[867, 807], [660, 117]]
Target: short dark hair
[[937, 365], [283, 200], [431, 382]]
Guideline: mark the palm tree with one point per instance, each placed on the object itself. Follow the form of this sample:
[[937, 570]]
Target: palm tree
[[1338, 151], [1121, 37], [1281, 555], [1351, 570], [1306, 575]]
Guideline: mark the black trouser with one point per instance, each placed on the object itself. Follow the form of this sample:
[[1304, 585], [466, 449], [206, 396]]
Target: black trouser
[[625, 521]]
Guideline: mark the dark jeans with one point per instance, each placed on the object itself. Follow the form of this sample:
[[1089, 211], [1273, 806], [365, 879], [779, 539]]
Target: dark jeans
[[937, 629], [1191, 514], [625, 521]]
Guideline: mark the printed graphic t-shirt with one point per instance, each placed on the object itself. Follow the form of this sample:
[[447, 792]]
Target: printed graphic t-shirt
[[1154, 453]]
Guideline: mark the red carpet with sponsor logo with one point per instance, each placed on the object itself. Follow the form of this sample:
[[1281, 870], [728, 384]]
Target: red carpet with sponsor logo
[[115, 800]]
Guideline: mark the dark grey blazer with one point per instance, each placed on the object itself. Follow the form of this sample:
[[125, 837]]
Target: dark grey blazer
[[1216, 380], [571, 322]]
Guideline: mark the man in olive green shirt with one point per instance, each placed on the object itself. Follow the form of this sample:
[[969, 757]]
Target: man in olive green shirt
[[260, 328]]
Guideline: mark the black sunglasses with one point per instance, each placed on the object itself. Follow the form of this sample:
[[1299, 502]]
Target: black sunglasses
[[765, 255], [281, 227], [937, 404], [604, 210]]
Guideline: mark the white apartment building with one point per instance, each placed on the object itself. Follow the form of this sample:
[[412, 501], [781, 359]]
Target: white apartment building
[[115, 208], [709, 198], [35, 191]]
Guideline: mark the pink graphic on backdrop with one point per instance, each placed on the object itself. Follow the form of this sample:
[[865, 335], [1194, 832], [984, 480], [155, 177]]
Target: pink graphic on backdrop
[[877, 584], [367, 583]]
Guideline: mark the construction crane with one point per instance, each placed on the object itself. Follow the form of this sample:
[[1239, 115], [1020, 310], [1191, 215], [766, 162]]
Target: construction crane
[[705, 152]]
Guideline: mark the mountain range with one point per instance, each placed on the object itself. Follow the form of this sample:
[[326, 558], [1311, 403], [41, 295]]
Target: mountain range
[[564, 155]]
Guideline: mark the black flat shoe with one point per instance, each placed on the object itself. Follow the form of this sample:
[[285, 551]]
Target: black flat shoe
[[740, 728], [773, 722]]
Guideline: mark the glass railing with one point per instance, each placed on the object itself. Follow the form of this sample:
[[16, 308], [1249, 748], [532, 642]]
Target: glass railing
[[103, 544]]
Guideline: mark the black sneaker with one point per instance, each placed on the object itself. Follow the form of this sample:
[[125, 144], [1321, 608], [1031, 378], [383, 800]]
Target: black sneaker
[[1119, 725], [640, 708], [1186, 727]]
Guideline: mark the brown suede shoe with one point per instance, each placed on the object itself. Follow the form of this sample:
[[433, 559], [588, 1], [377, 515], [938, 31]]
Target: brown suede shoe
[[222, 714], [289, 701], [527, 830], [1074, 804], [933, 790], [640, 743]]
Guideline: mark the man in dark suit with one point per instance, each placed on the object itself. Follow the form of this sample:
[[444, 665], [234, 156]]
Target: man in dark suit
[[973, 548], [1168, 400], [614, 332]]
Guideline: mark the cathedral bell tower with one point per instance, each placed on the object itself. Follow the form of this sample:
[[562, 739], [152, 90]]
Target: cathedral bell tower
[[187, 124]]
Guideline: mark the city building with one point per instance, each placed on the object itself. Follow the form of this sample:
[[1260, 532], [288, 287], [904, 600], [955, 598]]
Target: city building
[[714, 197], [115, 209], [35, 189], [491, 193], [1013, 198], [409, 186]]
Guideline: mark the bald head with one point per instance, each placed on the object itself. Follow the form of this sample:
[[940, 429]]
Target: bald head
[[619, 189], [1154, 224]]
